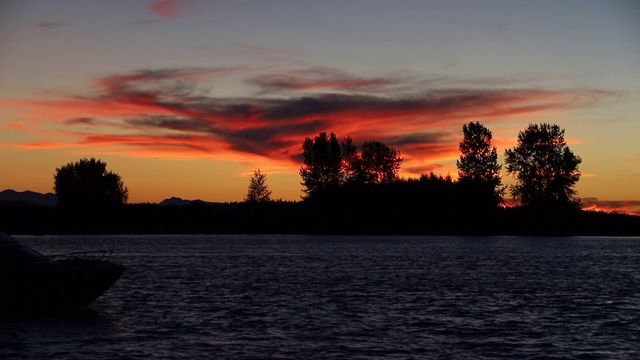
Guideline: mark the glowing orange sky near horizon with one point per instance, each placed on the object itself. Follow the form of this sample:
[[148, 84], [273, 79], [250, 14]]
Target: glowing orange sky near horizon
[[183, 127]]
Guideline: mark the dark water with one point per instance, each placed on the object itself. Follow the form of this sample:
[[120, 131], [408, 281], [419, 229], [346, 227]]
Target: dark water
[[307, 297]]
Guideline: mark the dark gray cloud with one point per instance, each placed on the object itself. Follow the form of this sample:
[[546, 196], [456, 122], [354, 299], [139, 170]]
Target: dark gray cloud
[[169, 101], [49, 25], [272, 139], [171, 123], [81, 121], [418, 138], [424, 169], [321, 79]]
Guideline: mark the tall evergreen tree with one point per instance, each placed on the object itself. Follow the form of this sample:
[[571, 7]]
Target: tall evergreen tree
[[258, 190], [545, 168], [478, 163]]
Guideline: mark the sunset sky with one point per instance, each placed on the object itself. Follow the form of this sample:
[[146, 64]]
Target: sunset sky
[[187, 97]]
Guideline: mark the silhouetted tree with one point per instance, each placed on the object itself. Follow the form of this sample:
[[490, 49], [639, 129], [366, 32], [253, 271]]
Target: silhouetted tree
[[258, 189], [87, 184], [432, 178], [478, 164], [545, 169], [322, 168], [378, 163], [350, 160]]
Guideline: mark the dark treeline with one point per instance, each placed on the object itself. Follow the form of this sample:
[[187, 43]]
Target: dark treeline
[[324, 217], [351, 191]]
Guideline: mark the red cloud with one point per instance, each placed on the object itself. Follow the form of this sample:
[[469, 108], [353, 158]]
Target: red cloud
[[164, 112], [622, 206], [167, 9]]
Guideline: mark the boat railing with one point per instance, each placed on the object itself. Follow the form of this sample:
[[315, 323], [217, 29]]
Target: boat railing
[[104, 255]]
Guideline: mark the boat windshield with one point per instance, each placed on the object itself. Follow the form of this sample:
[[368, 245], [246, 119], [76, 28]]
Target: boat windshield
[[14, 253]]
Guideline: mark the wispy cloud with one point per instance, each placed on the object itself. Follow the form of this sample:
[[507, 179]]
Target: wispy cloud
[[424, 169], [48, 25], [621, 206], [80, 121], [167, 111], [319, 79], [14, 126], [165, 10]]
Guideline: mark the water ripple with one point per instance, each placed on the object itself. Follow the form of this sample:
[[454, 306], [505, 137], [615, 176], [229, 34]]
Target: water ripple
[[292, 297]]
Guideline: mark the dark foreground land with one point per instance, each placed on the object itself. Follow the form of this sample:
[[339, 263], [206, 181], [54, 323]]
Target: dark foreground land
[[313, 218]]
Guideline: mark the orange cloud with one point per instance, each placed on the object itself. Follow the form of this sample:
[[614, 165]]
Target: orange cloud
[[44, 145], [14, 126], [622, 206], [164, 112]]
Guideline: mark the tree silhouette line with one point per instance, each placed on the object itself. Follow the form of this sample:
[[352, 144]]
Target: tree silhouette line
[[545, 168], [353, 191]]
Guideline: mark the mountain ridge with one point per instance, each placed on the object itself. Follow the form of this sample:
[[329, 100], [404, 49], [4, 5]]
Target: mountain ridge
[[28, 197]]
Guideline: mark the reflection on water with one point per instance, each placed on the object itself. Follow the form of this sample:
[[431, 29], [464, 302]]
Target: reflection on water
[[347, 297]]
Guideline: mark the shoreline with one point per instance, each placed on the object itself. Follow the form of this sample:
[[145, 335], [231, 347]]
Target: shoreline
[[303, 218]]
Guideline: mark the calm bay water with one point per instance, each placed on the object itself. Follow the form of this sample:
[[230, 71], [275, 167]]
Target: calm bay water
[[345, 297]]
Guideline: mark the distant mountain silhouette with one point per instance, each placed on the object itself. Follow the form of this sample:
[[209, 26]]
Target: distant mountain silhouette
[[176, 201], [12, 197], [28, 197]]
